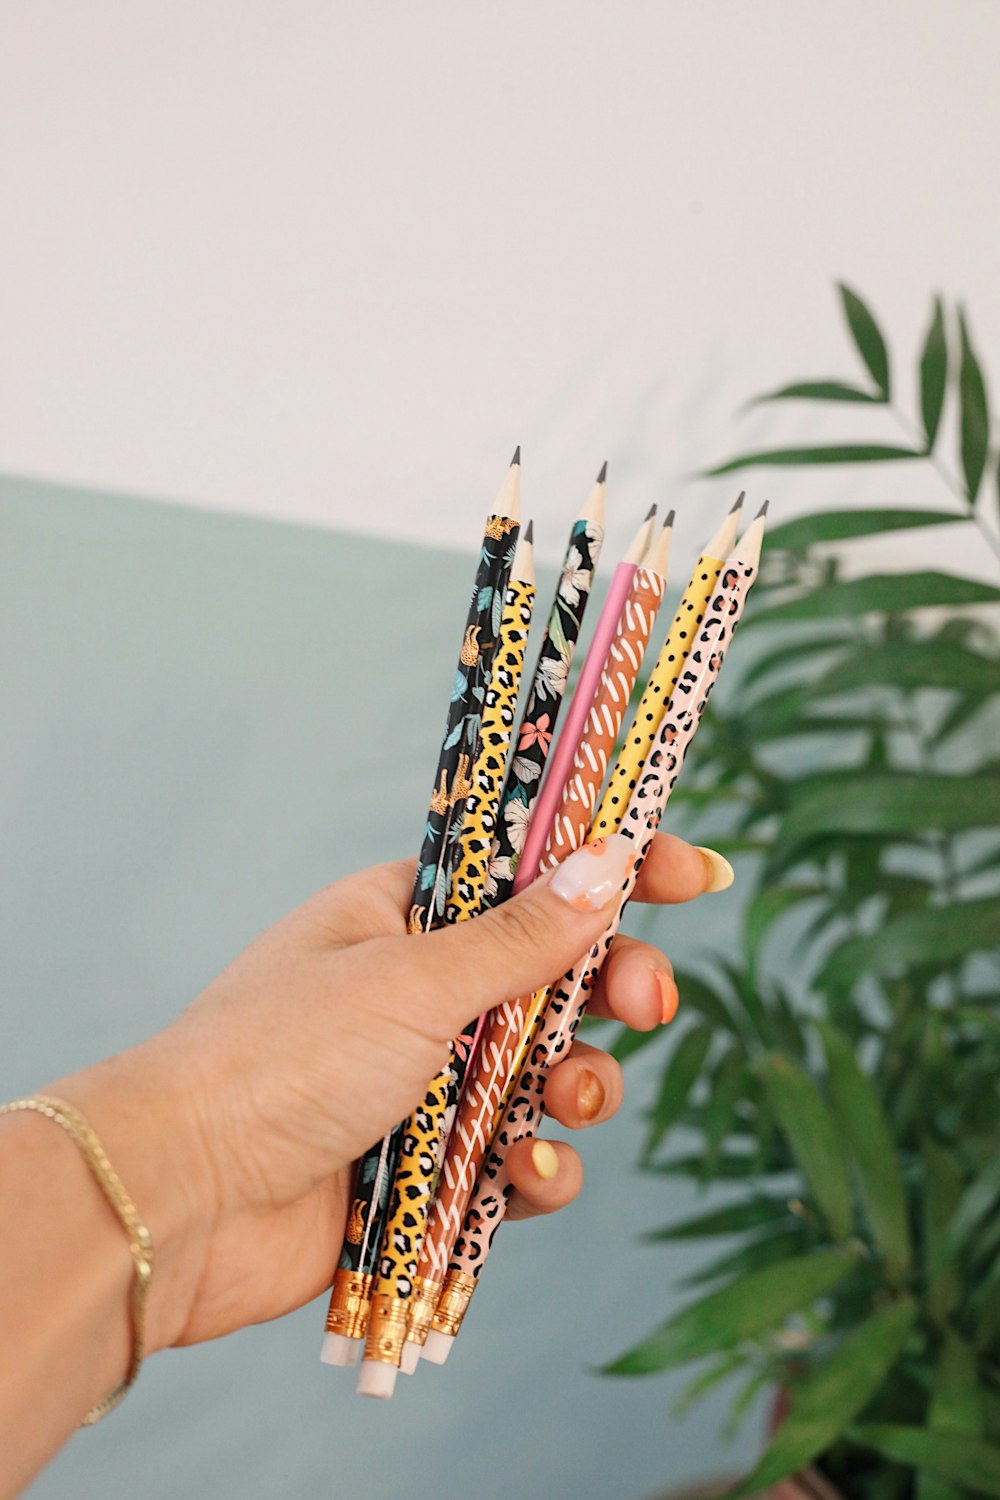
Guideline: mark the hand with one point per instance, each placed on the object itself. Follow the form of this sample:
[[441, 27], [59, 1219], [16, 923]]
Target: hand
[[236, 1128]]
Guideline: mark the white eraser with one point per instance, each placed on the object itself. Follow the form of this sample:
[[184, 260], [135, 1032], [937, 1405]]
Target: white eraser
[[438, 1347], [376, 1379], [411, 1357], [338, 1349]]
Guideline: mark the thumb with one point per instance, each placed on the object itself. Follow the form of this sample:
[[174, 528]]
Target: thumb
[[528, 941]]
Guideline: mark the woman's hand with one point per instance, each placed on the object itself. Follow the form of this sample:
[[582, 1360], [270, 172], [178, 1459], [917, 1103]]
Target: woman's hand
[[236, 1128]]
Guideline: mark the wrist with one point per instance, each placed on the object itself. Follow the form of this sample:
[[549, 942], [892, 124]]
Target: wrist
[[147, 1124]]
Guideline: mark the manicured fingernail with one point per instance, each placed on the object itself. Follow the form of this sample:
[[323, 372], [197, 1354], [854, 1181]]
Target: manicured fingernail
[[544, 1160], [669, 998], [595, 874], [589, 1095], [720, 872]]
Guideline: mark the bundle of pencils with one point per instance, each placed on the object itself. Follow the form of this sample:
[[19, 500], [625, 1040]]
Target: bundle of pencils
[[429, 1198]]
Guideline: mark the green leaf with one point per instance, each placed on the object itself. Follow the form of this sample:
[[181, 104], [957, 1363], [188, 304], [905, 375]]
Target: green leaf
[[730, 1166], [805, 1118], [831, 453], [726, 1085], [705, 1382], [914, 664], [975, 421], [890, 802], [733, 1219], [767, 906], [820, 390], [793, 651], [751, 1255], [755, 1303], [824, 1405], [931, 938], [864, 1126], [933, 374], [697, 994], [844, 525], [558, 635], [955, 1404], [682, 1072], [952, 1455], [942, 1192], [871, 344], [878, 593]]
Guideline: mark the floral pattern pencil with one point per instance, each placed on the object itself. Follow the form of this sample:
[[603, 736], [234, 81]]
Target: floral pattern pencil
[[350, 1297], [642, 817], [541, 714]]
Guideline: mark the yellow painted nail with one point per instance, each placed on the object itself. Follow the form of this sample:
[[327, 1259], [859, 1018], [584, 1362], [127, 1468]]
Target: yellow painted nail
[[720, 872], [544, 1160]]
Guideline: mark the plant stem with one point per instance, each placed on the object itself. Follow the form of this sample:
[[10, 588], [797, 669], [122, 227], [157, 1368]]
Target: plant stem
[[950, 480]]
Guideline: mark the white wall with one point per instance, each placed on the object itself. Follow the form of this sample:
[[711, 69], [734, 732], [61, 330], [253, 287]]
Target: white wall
[[329, 262]]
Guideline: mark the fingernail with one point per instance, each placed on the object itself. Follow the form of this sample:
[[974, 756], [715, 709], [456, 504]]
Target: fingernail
[[720, 872], [544, 1160], [669, 998], [595, 874], [589, 1095]]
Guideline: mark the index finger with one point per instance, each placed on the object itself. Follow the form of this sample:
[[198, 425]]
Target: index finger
[[674, 870]]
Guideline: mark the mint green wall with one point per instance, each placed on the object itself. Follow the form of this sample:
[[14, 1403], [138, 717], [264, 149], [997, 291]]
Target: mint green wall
[[182, 695]]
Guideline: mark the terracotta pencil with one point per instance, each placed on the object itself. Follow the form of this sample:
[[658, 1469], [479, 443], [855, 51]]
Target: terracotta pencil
[[537, 728], [350, 1296], [425, 1132], [645, 808], [561, 756], [575, 809]]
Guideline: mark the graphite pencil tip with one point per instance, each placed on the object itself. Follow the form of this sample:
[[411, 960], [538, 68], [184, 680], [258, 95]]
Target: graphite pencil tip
[[762, 511], [651, 512], [670, 519], [508, 500], [523, 566], [603, 473], [593, 509], [737, 503]]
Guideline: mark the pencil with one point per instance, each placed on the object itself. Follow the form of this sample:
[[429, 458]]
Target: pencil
[[561, 756], [545, 696], [424, 1133], [646, 805], [571, 822], [350, 1295], [657, 692]]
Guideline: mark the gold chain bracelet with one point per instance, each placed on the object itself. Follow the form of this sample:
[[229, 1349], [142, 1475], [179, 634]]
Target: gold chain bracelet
[[139, 1242]]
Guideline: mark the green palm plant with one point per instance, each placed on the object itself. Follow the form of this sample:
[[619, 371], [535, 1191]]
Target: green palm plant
[[842, 1079]]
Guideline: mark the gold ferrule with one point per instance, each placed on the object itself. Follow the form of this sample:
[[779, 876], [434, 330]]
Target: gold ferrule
[[422, 1304], [456, 1294], [386, 1328], [349, 1304]]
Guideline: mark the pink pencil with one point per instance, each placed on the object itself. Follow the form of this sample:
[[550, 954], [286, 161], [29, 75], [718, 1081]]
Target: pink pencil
[[561, 759]]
